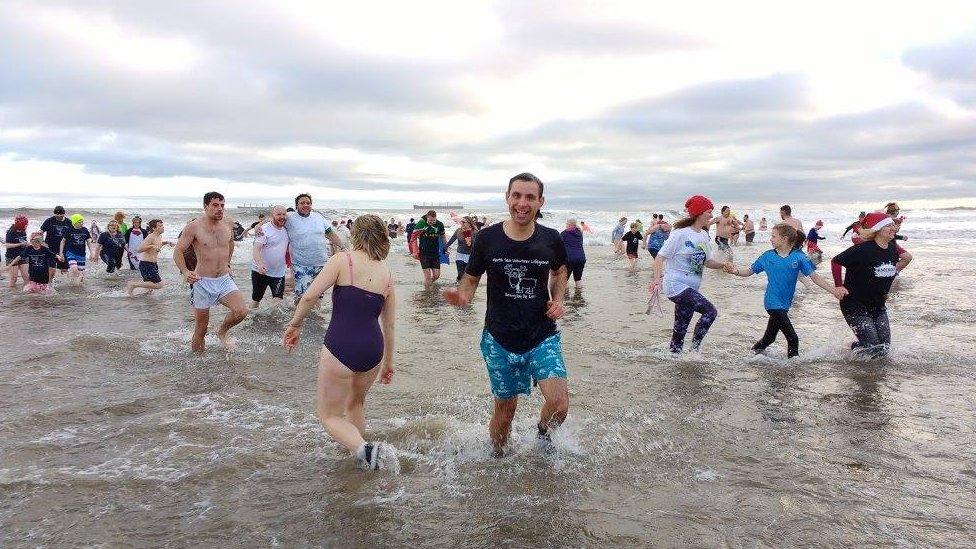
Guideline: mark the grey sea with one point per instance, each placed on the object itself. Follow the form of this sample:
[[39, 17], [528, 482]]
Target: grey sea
[[113, 434]]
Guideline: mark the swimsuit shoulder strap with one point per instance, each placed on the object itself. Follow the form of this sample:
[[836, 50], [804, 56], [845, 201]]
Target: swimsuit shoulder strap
[[349, 260]]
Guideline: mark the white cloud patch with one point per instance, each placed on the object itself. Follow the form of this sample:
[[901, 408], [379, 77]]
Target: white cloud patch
[[400, 102]]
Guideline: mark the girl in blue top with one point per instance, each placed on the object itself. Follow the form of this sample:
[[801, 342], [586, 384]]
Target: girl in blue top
[[783, 265]]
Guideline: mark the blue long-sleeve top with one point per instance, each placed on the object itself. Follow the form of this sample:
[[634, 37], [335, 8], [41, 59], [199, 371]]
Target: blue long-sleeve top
[[573, 241]]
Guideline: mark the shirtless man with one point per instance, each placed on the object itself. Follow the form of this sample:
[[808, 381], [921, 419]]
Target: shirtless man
[[212, 240], [786, 214], [725, 224], [148, 256]]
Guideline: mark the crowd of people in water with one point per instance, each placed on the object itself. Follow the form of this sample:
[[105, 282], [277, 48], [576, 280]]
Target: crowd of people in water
[[528, 267]]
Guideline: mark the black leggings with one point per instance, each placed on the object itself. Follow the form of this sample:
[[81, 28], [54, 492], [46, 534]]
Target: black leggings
[[779, 321], [260, 284], [870, 326], [576, 270], [113, 262], [461, 266]]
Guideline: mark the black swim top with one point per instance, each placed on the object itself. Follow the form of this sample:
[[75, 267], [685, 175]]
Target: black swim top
[[354, 336]]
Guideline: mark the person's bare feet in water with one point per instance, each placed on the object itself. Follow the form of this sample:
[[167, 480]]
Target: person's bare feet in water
[[227, 341]]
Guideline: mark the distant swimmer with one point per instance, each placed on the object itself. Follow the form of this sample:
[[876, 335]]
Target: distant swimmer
[[109, 247], [134, 236], [429, 234], [632, 239], [782, 265], [75, 247], [40, 262], [617, 235], [786, 214], [656, 234], [268, 263], [149, 262], [724, 225], [526, 266], [572, 238], [749, 228], [464, 236], [360, 336], [871, 269], [853, 226], [681, 263], [212, 241], [763, 224], [15, 243], [813, 241], [585, 228], [53, 229]]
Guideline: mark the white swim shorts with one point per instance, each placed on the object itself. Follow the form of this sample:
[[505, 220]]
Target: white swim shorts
[[207, 292]]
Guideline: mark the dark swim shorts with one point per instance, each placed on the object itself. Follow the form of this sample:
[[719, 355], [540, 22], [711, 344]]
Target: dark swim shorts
[[150, 271]]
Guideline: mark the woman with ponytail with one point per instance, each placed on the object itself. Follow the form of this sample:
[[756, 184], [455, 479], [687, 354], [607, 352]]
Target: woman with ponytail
[[682, 260], [783, 266]]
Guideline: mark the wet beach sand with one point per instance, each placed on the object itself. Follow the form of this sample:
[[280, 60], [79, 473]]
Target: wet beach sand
[[114, 434]]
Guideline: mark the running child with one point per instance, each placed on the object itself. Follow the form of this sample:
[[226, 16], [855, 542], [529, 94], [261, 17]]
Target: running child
[[73, 245], [148, 262], [782, 265], [40, 261], [633, 238], [813, 247]]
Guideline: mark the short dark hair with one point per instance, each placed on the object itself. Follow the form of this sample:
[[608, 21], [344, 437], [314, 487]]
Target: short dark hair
[[211, 196], [526, 176], [59, 210], [786, 208], [724, 208], [303, 195], [152, 224]]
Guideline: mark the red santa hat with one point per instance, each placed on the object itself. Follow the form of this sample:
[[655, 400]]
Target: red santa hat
[[875, 221]]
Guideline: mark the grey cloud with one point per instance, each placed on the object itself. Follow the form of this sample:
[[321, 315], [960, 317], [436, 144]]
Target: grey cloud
[[950, 65]]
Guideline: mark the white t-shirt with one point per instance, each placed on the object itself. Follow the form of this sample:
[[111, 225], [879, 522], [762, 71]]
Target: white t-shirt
[[274, 244], [309, 248], [686, 252]]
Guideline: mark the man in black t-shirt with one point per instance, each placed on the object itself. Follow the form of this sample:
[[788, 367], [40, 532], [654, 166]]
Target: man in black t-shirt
[[54, 228], [526, 266]]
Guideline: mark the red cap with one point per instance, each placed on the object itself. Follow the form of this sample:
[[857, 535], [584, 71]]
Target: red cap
[[876, 221], [20, 222], [698, 205]]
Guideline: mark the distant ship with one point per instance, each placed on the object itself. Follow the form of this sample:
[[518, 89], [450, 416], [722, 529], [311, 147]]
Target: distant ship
[[254, 208], [441, 206]]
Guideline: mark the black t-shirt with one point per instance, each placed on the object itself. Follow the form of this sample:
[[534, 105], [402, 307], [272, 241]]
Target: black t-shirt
[[870, 271], [54, 231], [75, 239], [15, 236], [38, 262], [111, 244], [518, 283], [633, 240]]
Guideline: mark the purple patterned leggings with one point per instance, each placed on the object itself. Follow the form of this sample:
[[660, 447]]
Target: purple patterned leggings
[[686, 304]]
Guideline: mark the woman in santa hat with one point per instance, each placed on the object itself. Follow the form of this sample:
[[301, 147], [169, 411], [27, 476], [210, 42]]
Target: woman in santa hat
[[871, 268]]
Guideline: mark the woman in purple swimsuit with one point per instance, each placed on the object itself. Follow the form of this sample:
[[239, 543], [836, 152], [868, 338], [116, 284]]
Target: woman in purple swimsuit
[[355, 343]]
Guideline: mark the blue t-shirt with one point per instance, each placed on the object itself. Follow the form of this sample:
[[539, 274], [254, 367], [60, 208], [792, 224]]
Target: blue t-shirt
[[781, 275]]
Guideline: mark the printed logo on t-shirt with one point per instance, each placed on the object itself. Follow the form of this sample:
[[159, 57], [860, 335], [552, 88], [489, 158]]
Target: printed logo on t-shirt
[[697, 258], [524, 288], [885, 270]]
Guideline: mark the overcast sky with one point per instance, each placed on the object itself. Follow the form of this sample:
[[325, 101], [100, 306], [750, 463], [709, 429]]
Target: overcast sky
[[388, 103]]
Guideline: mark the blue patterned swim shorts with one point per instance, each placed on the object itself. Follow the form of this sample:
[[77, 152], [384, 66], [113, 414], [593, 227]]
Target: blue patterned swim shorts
[[512, 374]]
